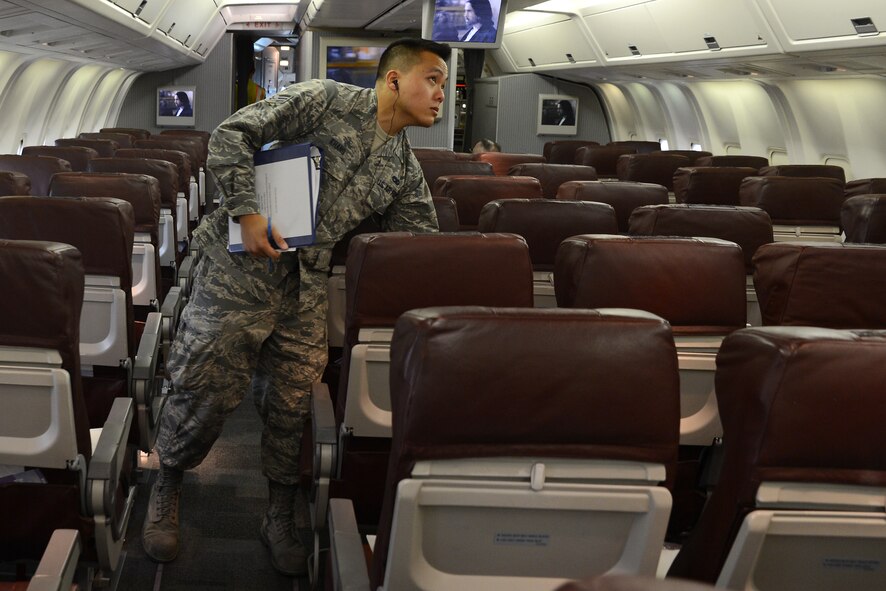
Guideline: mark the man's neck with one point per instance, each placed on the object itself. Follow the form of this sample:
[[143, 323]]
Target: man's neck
[[387, 115]]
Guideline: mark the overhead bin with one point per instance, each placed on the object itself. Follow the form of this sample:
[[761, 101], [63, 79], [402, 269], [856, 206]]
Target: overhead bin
[[144, 10], [824, 24], [626, 33], [709, 25], [183, 21], [209, 36], [540, 39], [660, 29]]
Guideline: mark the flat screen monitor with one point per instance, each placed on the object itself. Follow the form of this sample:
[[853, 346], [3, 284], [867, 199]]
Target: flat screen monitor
[[176, 106], [467, 24], [353, 64]]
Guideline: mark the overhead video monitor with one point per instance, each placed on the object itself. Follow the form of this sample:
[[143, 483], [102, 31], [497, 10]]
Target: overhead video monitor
[[464, 23], [176, 106]]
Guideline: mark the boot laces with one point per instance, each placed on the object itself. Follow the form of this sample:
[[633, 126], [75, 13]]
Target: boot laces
[[167, 501]]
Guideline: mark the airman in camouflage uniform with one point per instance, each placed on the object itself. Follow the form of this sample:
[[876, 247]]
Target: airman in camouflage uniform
[[248, 326]]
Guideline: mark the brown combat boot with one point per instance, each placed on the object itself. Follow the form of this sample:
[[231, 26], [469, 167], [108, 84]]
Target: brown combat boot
[[160, 534], [288, 556]]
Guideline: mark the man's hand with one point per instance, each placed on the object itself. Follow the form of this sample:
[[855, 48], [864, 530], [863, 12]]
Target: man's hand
[[254, 230]]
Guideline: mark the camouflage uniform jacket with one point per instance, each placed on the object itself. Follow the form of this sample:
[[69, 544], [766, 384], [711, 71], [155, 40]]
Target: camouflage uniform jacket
[[341, 120]]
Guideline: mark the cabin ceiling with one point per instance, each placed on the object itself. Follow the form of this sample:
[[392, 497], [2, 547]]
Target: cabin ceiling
[[770, 38]]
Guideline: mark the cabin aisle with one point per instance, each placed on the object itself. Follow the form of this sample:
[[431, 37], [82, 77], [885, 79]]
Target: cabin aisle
[[223, 501]]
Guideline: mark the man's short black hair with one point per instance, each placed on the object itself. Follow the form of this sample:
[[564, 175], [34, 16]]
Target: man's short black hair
[[404, 53]]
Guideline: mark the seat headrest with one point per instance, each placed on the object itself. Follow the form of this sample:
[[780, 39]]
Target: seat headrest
[[77, 156], [472, 192], [502, 162], [37, 168], [821, 284], [133, 131], [388, 274], [140, 190], [434, 169], [105, 148], [624, 196], [192, 146], [864, 218], [749, 227], [803, 404], [479, 382], [602, 158], [14, 183], [639, 146], [545, 223], [447, 214], [551, 176], [42, 295], [100, 228], [755, 162], [696, 284], [805, 171], [165, 172], [795, 200], [564, 151], [422, 154], [693, 155], [865, 187], [655, 168], [124, 140], [710, 185], [177, 157]]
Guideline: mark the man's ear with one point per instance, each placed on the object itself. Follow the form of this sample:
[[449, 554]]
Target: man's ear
[[392, 81]]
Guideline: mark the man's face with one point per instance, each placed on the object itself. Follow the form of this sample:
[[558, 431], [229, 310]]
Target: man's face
[[470, 15], [421, 90], [178, 101]]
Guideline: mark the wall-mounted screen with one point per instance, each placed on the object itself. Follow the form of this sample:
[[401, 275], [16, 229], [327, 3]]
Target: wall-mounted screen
[[353, 64], [464, 23], [557, 114], [176, 106]]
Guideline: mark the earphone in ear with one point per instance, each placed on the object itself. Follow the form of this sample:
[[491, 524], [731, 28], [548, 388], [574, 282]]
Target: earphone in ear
[[397, 84]]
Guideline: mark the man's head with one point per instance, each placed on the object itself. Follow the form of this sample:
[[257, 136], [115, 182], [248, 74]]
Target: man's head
[[485, 145], [181, 98], [411, 76]]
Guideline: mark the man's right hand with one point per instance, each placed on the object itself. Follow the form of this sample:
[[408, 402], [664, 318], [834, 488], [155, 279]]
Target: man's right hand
[[254, 230]]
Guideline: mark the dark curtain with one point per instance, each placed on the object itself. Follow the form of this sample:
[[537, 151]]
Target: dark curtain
[[473, 62]]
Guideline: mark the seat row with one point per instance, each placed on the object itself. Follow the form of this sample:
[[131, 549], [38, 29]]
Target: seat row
[[698, 285]]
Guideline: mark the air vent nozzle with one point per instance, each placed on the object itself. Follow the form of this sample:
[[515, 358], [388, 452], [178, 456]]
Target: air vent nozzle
[[634, 50], [570, 58], [531, 62], [711, 42]]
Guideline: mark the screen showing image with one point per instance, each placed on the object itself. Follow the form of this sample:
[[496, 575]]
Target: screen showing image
[[472, 22], [557, 114], [352, 64], [175, 106], [558, 111]]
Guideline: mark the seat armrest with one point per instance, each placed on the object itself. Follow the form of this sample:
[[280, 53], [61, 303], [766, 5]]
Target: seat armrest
[[349, 571], [322, 414], [170, 312], [325, 457], [145, 384], [185, 274], [107, 460], [103, 481], [59, 562]]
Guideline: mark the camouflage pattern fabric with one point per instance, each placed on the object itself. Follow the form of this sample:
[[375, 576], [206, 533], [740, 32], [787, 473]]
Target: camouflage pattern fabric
[[247, 327]]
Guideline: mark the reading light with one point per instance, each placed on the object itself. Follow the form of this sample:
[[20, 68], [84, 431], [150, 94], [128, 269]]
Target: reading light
[[284, 63], [285, 48]]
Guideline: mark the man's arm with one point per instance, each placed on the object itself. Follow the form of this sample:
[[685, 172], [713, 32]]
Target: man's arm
[[285, 117], [413, 211]]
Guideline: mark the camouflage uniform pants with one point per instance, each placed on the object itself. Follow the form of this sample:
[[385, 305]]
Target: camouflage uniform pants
[[238, 335]]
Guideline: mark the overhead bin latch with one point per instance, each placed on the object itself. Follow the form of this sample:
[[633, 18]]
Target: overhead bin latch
[[864, 26], [711, 42]]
